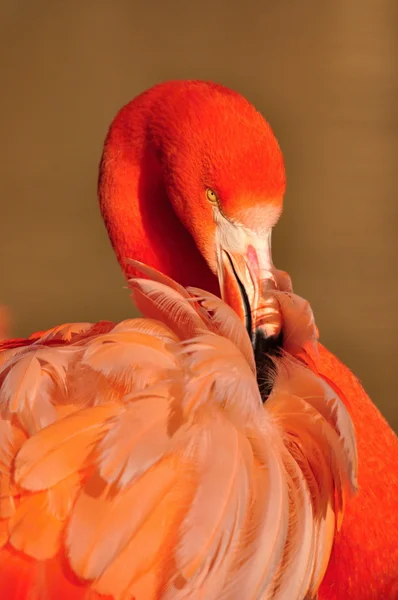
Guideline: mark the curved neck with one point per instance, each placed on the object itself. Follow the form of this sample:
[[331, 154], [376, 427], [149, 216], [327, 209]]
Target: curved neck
[[138, 215]]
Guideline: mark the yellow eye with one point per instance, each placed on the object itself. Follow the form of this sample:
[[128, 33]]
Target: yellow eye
[[211, 196]]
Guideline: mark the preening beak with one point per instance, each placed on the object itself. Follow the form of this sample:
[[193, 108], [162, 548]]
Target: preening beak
[[245, 276]]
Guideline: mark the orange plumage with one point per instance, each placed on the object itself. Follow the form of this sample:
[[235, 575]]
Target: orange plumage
[[140, 463], [142, 460]]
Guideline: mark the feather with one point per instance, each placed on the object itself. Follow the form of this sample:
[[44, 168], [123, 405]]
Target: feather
[[66, 332], [157, 301], [26, 391], [160, 474], [105, 526], [153, 543], [34, 530], [37, 524], [264, 536], [11, 440], [126, 362], [6, 357], [7, 495], [226, 323], [154, 275], [34, 382], [301, 420], [210, 530], [229, 380], [147, 326], [140, 435], [296, 569], [299, 330], [283, 280], [315, 469], [61, 449], [114, 353], [297, 380]]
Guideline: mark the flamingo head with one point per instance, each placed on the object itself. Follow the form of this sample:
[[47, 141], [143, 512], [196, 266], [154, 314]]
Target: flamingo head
[[215, 161]]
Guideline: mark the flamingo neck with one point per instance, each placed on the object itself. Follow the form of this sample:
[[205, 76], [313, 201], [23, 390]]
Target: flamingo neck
[[138, 215]]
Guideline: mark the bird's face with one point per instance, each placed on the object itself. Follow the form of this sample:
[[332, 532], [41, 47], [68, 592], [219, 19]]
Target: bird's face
[[225, 177]]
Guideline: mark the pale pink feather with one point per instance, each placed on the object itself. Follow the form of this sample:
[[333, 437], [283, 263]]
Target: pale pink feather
[[225, 322], [142, 455]]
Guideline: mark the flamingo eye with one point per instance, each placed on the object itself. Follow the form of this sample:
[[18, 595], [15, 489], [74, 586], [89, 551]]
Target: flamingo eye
[[211, 196]]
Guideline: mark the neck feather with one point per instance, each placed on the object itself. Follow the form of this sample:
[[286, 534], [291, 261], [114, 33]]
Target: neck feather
[[138, 215]]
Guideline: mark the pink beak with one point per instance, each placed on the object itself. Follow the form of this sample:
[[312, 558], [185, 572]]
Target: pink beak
[[245, 281]]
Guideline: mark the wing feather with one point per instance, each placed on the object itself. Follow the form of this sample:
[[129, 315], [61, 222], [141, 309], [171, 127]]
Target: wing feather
[[140, 435], [137, 460], [63, 448], [210, 528], [226, 322], [159, 302]]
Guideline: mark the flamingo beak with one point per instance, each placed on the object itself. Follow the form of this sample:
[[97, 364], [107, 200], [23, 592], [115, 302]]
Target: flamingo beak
[[246, 277]]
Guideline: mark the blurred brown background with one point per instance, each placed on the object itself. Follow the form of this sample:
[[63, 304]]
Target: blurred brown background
[[325, 74]]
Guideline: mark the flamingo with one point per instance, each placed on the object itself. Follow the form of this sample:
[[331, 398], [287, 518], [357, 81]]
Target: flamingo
[[209, 448]]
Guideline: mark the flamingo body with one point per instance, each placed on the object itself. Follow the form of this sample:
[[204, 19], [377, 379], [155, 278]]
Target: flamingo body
[[162, 458], [138, 460]]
